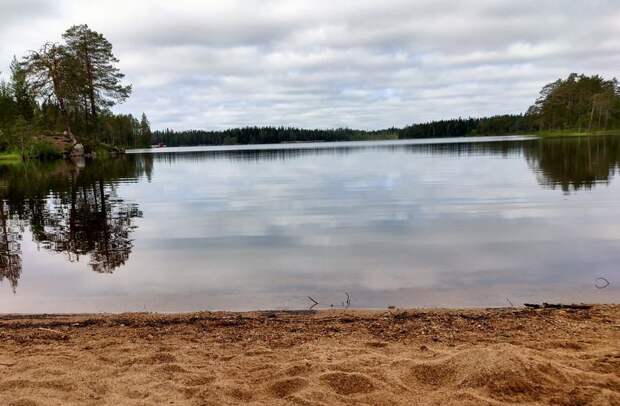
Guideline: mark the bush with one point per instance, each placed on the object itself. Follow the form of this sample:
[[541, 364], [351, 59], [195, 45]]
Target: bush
[[44, 150]]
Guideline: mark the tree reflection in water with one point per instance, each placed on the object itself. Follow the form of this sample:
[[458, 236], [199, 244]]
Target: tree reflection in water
[[10, 248], [574, 163], [88, 220], [70, 210]]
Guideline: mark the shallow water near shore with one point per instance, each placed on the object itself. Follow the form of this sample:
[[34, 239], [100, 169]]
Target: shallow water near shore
[[442, 222]]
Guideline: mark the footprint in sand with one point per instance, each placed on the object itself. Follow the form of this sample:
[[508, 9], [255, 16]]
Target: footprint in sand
[[172, 369], [298, 369], [199, 380], [156, 359], [348, 383], [23, 402], [240, 394], [135, 394], [161, 358], [286, 387], [376, 344]]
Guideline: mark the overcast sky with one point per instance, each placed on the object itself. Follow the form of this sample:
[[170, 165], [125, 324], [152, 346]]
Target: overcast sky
[[334, 63]]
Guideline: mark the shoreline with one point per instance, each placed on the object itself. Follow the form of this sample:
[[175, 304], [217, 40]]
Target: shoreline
[[107, 151], [395, 356], [302, 144]]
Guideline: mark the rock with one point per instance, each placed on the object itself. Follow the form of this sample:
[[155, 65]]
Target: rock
[[77, 150]]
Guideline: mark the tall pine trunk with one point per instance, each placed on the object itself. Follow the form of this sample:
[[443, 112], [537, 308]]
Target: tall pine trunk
[[61, 100]]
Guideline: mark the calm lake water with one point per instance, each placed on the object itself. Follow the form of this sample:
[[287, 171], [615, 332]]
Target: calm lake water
[[457, 222]]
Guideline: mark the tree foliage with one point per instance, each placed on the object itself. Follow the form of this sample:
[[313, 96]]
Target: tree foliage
[[578, 102], [68, 87], [97, 78]]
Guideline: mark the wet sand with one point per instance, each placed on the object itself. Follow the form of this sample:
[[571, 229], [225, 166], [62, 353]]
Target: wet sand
[[345, 357]]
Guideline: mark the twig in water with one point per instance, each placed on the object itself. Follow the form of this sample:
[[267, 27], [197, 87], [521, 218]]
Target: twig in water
[[313, 301], [347, 302], [511, 304], [602, 285]]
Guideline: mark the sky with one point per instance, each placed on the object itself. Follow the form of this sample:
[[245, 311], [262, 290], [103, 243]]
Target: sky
[[324, 64]]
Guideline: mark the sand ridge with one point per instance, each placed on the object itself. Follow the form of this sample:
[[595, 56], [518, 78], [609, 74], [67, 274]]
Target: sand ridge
[[345, 357]]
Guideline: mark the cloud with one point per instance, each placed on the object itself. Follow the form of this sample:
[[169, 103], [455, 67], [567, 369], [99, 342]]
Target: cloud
[[361, 64]]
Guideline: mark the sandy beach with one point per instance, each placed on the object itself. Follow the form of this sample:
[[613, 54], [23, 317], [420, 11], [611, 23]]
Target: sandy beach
[[345, 357]]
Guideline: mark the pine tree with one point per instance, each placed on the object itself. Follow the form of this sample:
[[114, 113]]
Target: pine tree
[[145, 131], [101, 79], [49, 73], [23, 98], [8, 111]]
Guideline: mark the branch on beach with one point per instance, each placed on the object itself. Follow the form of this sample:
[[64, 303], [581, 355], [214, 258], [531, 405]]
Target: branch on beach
[[50, 330]]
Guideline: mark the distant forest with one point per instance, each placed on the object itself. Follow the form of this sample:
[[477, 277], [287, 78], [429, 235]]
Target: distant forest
[[271, 135], [578, 103]]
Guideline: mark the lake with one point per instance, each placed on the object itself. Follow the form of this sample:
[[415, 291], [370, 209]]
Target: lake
[[438, 222]]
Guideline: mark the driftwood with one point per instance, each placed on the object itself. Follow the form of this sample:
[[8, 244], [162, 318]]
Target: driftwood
[[557, 306], [50, 330]]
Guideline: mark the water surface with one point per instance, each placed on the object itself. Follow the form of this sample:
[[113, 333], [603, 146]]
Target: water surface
[[457, 222]]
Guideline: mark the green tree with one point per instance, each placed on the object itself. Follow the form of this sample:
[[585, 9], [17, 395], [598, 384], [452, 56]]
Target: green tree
[[100, 78], [578, 102], [145, 131], [25, 103], [49, 72], [21, 134], [8, 111]]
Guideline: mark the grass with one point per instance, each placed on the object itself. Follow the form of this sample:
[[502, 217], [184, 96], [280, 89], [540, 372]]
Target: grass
[[10, 157], [41, 150], [44, 150]]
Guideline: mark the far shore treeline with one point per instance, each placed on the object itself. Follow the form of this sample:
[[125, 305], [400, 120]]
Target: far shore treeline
[[67, 88], [62, 94], [577, 104]]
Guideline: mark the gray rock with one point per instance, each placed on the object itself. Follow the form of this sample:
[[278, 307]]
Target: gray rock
[[77, 150]]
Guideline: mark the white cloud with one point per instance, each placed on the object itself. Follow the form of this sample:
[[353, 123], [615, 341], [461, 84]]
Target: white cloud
[[315, 63]]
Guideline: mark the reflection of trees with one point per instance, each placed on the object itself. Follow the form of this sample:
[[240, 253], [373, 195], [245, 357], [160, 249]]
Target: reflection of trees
[[72, 211], [571, 163], [274, 152], [88, 220], [574, 163], [10, 249]]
